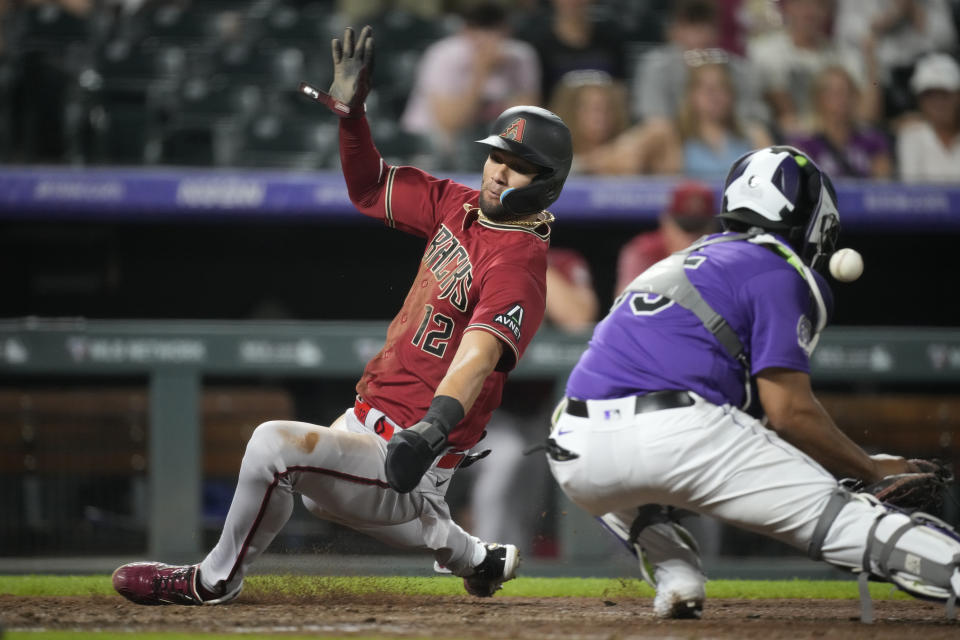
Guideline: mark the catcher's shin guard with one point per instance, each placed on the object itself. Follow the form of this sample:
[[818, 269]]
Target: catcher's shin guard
[[654, 537], [918, 553]]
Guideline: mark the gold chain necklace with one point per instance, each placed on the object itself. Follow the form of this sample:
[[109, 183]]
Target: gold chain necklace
[[544, 217]]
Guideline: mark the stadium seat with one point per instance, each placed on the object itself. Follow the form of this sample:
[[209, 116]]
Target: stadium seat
[[205, 119], [6, 84], [288, 24], [210, 99], [50, 27], [273, 140], [123, 123], [265, 64], [169, 23], [401, 148], [126, 64], [188, 145]]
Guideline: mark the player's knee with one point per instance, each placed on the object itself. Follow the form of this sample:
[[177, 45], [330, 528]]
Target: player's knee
[[266, 440], [269, 431]]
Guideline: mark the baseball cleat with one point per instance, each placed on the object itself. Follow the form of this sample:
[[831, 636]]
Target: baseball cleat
[[499, 565], [673, 605], [154, 583]]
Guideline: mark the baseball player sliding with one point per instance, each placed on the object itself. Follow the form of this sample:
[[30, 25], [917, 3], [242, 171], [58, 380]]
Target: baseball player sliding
[[656, 417], [384, 466]]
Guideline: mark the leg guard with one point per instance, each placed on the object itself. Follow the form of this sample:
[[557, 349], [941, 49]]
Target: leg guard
[[918, 553], [654, 537]]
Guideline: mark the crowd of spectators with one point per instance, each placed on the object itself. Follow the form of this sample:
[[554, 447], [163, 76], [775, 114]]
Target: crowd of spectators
[[870, 88]]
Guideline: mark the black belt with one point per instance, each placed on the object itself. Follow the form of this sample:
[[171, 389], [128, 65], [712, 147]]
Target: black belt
[[656, 401]]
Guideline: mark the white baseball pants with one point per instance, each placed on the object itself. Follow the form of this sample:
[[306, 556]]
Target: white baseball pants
[[338, 472], [714, 460]]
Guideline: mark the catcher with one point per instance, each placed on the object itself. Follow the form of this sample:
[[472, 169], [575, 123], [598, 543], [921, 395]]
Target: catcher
[[659, 408]]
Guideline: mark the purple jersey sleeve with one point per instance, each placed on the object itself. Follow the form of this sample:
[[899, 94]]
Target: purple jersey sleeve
[[781, 326]]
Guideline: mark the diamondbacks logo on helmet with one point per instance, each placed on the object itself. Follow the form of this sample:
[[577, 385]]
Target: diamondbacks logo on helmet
[[541, 138], [514, 130]]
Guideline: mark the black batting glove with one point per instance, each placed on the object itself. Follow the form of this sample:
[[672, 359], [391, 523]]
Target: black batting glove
[[352, 68], [412, 451]]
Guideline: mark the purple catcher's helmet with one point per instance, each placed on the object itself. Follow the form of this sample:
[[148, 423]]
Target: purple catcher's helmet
[[781, 190]]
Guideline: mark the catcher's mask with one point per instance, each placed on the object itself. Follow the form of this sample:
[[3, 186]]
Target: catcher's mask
[[780, 189], [538, 136]]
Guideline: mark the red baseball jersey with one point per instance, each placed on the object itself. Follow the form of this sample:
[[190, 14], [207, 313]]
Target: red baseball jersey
[[475, 275], [638, 255]]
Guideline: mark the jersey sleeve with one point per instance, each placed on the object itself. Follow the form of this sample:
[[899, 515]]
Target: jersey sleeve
[[781, 320], [405, 198], [511, 307]]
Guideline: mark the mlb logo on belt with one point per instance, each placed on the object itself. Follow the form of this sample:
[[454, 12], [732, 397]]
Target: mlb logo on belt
[[514, 130]]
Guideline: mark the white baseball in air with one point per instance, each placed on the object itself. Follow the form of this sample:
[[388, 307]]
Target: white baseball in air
[[846, 265]]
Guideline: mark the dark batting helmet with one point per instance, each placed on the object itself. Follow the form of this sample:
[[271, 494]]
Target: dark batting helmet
[[780, 189], [538, 136]]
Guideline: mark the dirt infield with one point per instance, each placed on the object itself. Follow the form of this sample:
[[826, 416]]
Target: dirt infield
[[499, 617]]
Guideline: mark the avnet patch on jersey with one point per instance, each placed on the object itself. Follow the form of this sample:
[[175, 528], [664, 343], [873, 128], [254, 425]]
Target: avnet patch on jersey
[[511, 319]]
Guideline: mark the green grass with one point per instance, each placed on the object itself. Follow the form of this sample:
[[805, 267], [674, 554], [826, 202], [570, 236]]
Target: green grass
[[310, 586], [108, 635]]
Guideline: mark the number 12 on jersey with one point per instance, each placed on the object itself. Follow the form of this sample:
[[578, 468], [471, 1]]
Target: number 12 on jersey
[[433, 342]]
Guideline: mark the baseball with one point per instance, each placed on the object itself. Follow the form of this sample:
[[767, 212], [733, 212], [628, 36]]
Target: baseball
[[846, 265]]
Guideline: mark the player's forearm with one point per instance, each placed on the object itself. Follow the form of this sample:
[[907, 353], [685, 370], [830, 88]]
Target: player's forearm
[[798, 417], [476, 358], [811, 430], [363, 168]]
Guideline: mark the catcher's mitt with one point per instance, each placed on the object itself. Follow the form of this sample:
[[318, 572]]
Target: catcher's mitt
[[921, 490]]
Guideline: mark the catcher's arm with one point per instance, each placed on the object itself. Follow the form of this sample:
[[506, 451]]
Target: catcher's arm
[[352, 68], [799, 418]]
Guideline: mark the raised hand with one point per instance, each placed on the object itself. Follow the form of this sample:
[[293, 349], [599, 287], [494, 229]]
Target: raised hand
[[352, 68]]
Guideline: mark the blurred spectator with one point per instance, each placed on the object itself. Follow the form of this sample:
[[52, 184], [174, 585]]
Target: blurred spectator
[[786, 62], [702, 142], [594, 106], [465, 80], [509, 513], [732, 23], [661, 76], [571, 301], [754, 18], [899, 32], [689, 215], [928, 149], [840, 144], [570, 39]]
